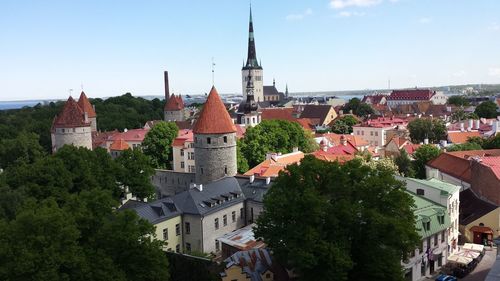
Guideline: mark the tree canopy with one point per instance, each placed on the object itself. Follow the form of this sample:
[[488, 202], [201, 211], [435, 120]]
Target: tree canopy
[[343, 125], [318, 215], [274, 136], [422, 155], [458, 100], [158, 144], [404, 163], [58, 221], [487, 109], [464, 146], [424, 128], [358, 108]]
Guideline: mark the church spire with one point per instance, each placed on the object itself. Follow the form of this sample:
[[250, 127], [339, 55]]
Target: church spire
[[252, 54]]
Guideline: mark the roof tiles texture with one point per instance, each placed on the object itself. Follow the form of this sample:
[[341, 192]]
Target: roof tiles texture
[[85, 105], [71, 116], [461, 137], [174, 103], [214, 118], [119, 145], [414, 94], [280, 113]]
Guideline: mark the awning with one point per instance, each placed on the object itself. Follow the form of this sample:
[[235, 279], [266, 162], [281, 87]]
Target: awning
[[473, 247], [459, 259], [468, 254], [482, 229]]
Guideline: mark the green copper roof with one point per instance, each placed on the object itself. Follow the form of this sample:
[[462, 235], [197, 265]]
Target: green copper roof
[[428, 211], [444, 187]]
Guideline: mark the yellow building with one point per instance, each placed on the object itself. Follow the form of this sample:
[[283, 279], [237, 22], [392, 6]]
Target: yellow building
[[166, 218], [479, 219]]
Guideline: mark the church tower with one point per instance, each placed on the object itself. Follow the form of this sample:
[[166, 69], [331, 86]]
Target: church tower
[[248, 111], [252, 69], [214, 141]]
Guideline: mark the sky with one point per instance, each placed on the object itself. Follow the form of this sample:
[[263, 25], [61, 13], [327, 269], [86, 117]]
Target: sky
[[112, 47]]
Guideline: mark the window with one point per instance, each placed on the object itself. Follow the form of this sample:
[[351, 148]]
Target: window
[[371, 133], [268, 275], [442, 236], [191, 145], [376, 134], [217, 246], [63, 130], [233, 216], [435, 239], [241, 213], [191, 155], [420, 192], [209, 140], [165, 234], [177, 229], [201, 169], [188, 247], [251, 215], [182, 152], [225, 169], [362, 133], [225, 139], [216, 223], [192, 169], [188, 228], [441, 219], [182, 165], [224, 220], [178, 248]]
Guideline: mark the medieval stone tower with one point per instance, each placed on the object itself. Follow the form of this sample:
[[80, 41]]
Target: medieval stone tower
[[214, 141], [174, 109], [87, 108], [252, 69], [72, 127]]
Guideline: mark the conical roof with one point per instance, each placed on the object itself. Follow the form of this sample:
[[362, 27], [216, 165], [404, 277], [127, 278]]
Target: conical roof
[[214, 118], [71, 116], [174, 103], [85, 105]]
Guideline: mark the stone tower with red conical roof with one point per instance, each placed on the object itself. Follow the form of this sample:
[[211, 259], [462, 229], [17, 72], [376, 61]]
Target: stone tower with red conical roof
[[214, 141], [88, 109], [71, 127], [174, 109]]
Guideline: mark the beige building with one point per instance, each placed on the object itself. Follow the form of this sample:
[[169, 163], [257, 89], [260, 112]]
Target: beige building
[[183, 152], [375, 130]]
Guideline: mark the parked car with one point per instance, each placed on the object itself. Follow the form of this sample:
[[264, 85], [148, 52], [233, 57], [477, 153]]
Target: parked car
[[444, 277]]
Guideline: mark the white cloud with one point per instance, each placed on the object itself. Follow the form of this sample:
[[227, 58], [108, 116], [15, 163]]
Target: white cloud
[[340, 4], [300, 16], [346, 14], [425, 20], [494, 71]]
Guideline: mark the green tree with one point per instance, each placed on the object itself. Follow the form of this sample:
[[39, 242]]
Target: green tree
[[461, 115], [404, 163], [463, 147], [492, 142], [241, 161], [158, 143], [136, 173], [343, 125], [422, 155], [458, 100], [432, 129], [358, 108], [274, 136], [24, 147], [487, 109], [316, 219]]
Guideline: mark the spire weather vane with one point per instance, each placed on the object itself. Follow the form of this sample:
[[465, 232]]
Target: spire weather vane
[[213, 71]]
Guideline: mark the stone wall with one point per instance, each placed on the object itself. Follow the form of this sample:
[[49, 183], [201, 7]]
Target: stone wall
[[168, 182], [80, 136], [178, 115], [215, 156]]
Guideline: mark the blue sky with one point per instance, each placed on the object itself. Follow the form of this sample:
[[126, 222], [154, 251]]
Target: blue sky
[[113, 47]]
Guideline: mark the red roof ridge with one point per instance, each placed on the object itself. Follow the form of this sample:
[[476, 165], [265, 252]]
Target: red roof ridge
[[119, 144], [214, 118], [174, 103], [71, 116], [86, 106]]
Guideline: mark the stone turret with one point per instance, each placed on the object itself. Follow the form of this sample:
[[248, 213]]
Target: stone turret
[[87, 107], [214, 141], [71, 127], [174, 109]]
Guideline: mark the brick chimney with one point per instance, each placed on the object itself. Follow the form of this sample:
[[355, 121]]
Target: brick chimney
[[167, 91]]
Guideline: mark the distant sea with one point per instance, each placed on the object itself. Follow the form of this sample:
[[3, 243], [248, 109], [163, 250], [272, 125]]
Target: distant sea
[[16, 104]]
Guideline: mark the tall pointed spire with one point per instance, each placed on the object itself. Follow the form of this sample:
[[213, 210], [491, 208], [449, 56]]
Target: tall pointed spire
[[252, 54]]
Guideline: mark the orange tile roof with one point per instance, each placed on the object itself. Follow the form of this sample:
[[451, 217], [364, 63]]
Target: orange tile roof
[[493, 163], [85, 105], [325, 156], [134, 135], [461, 137], [271, 167], [279, 113], [182, 137], [119, 145], [214, 118], [71, 116], [174, 103], [306, 123], [335, 138]]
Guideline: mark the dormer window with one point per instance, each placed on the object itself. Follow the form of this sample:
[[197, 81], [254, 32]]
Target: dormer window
[[420, 192]]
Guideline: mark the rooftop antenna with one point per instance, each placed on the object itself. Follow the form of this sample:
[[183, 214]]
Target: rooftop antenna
[[213, 72]]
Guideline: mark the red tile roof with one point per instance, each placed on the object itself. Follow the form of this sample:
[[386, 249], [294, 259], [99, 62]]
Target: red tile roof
[[182, 137], [135, 135], [119, 145], [214, 118], [411, 94], [306, 123], [357, 141], [325, 156], [493, 163], [85, 105], [99, 138], [279, 113], [461, 137], [383, 122], [72, 116], [373, 99], [174, 103], [271, 167], [411, 148]]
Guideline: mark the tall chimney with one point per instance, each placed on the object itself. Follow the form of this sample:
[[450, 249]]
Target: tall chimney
[[167, 91]]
